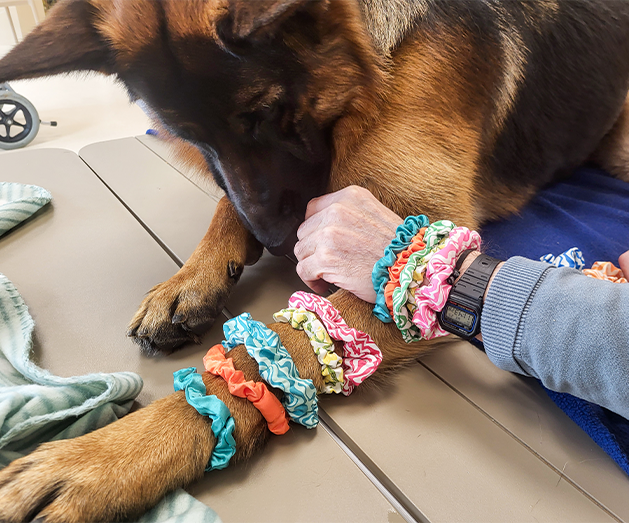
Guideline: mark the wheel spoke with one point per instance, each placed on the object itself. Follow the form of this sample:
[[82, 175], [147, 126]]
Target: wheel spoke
[[15, 122]]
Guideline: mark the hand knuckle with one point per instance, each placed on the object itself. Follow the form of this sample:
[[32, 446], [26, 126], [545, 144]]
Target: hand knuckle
[[336, 210], [355, 190]]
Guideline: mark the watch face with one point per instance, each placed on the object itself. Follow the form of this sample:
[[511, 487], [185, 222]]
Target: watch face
[[462, 318]]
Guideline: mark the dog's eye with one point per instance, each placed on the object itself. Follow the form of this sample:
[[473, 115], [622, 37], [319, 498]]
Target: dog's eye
[[250, 122]]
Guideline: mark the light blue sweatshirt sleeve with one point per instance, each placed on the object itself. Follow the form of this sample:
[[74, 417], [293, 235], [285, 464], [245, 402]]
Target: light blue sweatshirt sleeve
[[568, 330]]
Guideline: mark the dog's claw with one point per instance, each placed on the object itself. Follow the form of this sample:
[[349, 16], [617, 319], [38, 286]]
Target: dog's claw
[[234, 270], [178, 319]]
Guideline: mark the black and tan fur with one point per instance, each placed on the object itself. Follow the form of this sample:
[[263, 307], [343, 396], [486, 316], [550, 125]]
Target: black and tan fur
[[458, 109]]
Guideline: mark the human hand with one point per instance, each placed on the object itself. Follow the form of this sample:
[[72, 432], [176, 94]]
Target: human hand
[[344, 235]]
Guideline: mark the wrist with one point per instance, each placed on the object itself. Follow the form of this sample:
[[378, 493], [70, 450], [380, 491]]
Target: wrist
[[461, 314]]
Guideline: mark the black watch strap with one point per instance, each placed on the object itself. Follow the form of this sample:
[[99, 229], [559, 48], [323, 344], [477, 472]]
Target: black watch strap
[[462, 312], [475, 279]]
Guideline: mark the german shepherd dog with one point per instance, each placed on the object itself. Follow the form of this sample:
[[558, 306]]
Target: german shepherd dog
[[457, 109]]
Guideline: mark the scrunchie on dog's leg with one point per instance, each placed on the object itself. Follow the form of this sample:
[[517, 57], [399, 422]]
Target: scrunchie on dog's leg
[[125, 468]]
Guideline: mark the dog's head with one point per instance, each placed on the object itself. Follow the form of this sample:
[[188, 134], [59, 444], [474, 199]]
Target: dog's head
[[257, 86]]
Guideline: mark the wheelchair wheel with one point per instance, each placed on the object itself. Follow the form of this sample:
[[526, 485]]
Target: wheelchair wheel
[[19, 120]]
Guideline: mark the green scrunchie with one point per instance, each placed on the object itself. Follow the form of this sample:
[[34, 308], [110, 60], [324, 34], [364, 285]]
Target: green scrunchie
[[434, 234]]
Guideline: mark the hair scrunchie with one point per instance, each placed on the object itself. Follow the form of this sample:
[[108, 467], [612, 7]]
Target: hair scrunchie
[[257, 393], [331, 362], [417, 244], [435, 235], [605, 271], [222, 421], [571, 258], [361, 355], [276, 366], [380, 274], [431, 298]]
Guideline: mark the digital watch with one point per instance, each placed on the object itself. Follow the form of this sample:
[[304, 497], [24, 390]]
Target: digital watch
[[462, 312]]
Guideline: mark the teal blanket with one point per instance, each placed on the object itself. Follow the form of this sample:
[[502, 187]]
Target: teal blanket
[[36, 406]]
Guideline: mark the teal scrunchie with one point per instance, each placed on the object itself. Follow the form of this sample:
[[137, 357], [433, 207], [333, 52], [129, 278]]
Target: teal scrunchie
[[380, 274], [275, 366], [215, 409]]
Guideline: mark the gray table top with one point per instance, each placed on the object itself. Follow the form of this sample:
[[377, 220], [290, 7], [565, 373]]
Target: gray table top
[[452, 438], [83, 265], [485, 446]]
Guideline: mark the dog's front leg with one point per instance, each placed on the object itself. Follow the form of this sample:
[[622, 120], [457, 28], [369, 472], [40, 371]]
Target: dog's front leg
[[395, 351], [180, 309], [125, 468], [122, 470]]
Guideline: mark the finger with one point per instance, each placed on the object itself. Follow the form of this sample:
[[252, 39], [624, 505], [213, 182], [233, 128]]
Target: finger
[[305, 248], [318, 204], [311, 224], [308, 274], [623, 263]]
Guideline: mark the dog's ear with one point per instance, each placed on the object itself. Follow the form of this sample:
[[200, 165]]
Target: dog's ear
[[65, 41], [252, 18]]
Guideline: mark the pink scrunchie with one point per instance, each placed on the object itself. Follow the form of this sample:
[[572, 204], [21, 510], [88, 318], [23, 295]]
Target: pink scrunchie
[[431, 298], [361, 355]]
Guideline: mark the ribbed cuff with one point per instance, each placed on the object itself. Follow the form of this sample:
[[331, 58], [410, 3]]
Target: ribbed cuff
[[505, 310]]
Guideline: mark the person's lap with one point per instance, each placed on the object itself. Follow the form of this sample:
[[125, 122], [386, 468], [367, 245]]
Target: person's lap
[[590, 210]]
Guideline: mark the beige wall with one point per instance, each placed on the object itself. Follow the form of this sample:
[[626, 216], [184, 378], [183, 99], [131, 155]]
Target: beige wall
[[6, 36], [23, 19]]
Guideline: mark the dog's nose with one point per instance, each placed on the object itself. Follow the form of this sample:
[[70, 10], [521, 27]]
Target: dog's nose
[[287, 246]]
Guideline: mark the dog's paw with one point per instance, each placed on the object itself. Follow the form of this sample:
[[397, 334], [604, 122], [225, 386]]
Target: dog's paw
[[57, 483], [114, 473], [180, 310]]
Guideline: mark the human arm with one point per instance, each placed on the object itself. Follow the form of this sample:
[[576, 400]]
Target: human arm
[[566, 329]]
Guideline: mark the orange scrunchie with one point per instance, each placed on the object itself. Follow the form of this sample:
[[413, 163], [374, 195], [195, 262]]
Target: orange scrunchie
[[417, 244], [606, 271], [257, 393]]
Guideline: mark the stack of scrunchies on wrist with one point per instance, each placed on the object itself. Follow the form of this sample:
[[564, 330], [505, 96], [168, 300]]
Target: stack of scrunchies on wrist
[[322, 323], [411, 279]]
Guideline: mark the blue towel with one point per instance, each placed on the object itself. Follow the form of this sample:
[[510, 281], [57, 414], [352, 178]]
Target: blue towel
[[591, 211]]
